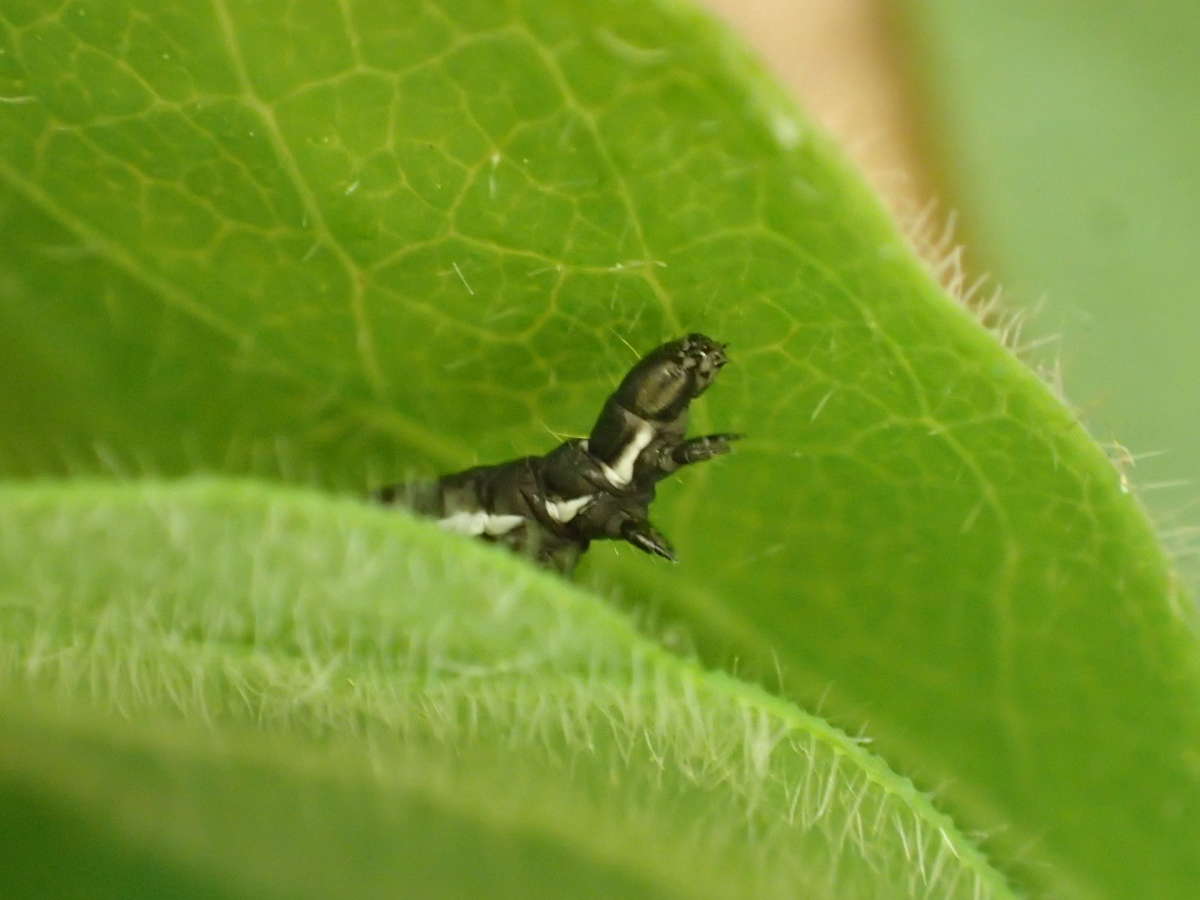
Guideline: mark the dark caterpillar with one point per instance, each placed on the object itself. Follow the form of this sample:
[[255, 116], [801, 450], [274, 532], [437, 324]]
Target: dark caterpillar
[[552, 507]]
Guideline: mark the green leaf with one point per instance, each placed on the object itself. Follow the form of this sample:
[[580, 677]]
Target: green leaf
[[429, 707], [340, 243], [194, 822]]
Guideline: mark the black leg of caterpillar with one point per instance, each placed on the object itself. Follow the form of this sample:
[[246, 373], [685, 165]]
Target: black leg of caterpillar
[[562, 558], [647, 538], [699, 449]]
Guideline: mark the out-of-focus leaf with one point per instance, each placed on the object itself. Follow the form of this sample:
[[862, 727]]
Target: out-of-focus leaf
[[430, 712]]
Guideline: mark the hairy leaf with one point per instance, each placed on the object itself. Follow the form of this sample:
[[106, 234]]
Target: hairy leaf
[[427, 710]]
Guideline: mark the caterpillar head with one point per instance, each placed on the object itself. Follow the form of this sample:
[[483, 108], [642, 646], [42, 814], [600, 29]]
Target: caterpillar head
[[668, 378]]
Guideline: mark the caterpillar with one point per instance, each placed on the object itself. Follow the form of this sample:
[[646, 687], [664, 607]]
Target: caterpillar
[[550, 508]]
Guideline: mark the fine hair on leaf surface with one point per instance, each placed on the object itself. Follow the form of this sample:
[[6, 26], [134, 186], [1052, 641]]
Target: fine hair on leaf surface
[[339, 630]]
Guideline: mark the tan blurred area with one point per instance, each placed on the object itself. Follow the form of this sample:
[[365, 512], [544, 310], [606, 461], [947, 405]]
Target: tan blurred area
[[843, 60]]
